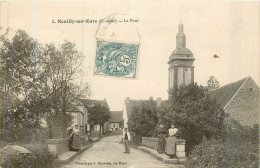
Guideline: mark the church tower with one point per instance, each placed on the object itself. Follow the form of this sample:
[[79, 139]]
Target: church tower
[[181, 69]]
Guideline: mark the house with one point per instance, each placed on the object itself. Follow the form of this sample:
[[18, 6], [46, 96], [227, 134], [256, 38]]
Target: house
[[116, 120], [241, 100], [87, 103], [79, 116], [79, 113], [129, 104]]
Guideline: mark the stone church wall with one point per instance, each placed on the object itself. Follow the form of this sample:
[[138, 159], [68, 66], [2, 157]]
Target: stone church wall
[[245, 106]]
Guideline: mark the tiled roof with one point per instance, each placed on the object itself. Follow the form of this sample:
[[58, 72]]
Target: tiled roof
[[89, 102], [241, 100], [225, 93], [116, 116], [133, 103]]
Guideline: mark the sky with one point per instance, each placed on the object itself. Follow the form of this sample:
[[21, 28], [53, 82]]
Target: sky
[[225, 28]]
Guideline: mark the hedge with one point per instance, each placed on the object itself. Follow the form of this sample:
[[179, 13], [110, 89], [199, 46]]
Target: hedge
[[225, 154]]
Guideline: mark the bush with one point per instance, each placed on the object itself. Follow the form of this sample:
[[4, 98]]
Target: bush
[[23, 135], [11, 158], [39, 157], [239, 134], [225, 154]]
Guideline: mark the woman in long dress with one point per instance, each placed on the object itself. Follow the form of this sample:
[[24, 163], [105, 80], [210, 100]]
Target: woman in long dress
[[70, 130], [161, 139], [75, 144], [170, 148]]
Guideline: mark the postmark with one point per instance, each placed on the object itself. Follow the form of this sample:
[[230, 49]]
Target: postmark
[[116, 59]]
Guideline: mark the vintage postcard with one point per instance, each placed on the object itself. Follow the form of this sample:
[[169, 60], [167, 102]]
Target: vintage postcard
[[129, 84]]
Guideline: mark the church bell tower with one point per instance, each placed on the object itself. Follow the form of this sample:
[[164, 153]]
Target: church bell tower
[[181, 69]]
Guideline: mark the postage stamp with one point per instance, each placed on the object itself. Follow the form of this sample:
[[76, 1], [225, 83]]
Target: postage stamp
[[116, 59]]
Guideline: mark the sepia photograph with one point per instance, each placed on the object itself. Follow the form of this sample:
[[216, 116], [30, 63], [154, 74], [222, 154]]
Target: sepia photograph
[[129, 84]]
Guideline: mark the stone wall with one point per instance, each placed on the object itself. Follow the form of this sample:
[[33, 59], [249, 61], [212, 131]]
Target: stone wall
[[150, 142], [245, 105], [153, 144], [58, 146], [180, 148]]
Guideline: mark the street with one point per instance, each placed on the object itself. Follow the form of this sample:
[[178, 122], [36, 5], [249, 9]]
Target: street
[[108, 152]]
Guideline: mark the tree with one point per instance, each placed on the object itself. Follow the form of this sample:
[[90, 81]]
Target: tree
[[195, 114], [60, 68], [144, 119], [213, 82], [37, 81], [98, 114], [19, 85]]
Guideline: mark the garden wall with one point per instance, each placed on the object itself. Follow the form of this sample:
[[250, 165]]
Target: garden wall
[[153, 144], [58, 146]]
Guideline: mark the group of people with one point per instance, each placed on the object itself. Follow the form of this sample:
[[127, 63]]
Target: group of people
[[165, 145], [74, 138]]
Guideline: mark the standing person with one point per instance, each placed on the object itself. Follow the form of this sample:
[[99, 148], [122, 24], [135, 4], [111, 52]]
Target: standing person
[[170, 148], [75, 144], [126, 138], [161, 139], [91, 130], [70, 130]]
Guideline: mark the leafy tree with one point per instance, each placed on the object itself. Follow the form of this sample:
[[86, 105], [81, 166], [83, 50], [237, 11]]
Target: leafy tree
[[195, 114], [60, 69], [19, 84], [37, 81], [162, 113], [98, 114], [144, 119], [213, 82]]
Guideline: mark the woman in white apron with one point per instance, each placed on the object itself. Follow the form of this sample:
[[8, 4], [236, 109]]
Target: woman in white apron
[[170, 148]]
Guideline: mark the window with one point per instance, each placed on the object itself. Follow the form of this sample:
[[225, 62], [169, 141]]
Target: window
[[187, 75]]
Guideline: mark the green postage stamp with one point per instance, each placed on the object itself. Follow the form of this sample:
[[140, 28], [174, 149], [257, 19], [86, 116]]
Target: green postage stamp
[[116, 59]]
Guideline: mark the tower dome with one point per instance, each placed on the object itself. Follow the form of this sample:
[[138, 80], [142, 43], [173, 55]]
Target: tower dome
[[181, 50]]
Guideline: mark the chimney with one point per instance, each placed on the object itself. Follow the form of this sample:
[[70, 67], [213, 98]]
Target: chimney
[[159, 102], [127, 100]]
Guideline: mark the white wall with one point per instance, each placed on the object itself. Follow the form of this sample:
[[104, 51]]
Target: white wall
[[125, 118]]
